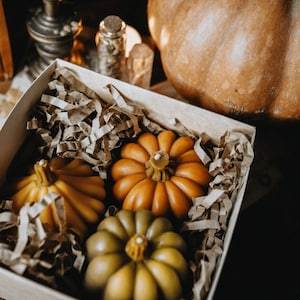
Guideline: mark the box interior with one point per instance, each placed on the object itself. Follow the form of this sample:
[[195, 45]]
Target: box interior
[[160, 108]]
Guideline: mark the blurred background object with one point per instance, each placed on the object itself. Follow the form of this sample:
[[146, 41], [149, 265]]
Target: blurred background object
[[6, 60], [6, 66], [110, 42], [90, 12], [53, 27], [24, 21]]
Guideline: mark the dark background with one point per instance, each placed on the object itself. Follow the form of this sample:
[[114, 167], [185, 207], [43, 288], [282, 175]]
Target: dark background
[[263, 260]]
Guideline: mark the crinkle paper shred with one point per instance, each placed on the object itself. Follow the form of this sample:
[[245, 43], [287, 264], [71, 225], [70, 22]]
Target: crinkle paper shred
[[74, 121]]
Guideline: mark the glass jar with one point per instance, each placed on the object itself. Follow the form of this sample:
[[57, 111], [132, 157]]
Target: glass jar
[[111, 41]]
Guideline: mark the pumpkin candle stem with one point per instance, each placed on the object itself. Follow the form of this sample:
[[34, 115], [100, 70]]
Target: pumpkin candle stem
[[44, 176], [158, 166], [136, 247]]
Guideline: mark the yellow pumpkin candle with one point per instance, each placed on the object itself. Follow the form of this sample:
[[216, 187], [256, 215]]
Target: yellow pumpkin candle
[[74, 180]]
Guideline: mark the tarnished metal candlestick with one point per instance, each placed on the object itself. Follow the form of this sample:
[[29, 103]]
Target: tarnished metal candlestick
[[53, 29]]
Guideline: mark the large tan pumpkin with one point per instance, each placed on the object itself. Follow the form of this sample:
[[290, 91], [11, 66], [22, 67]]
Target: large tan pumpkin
[[233, 57]]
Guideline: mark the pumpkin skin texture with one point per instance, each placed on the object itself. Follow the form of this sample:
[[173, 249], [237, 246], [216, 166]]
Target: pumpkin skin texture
[[160, 173], [238, 58], [135, 255], [82, 190]]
